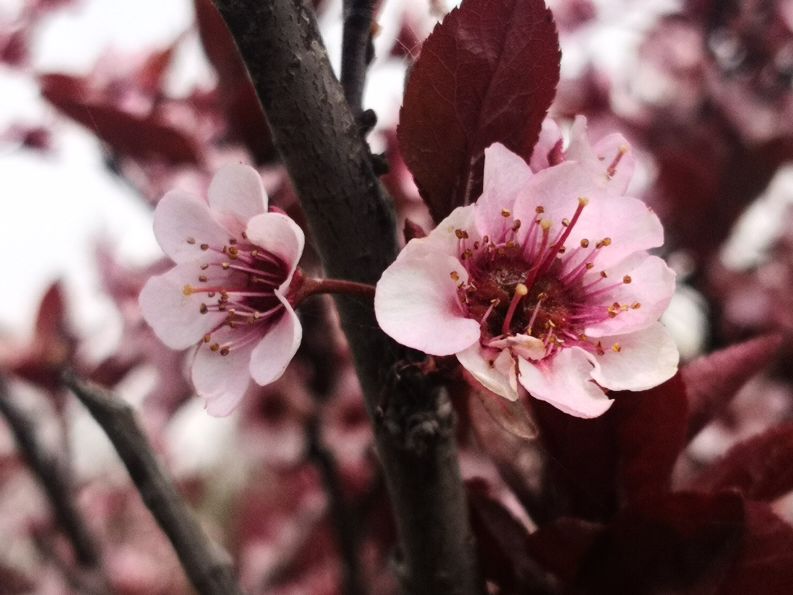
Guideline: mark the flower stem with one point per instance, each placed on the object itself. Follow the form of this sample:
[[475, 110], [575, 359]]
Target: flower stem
[[313, 286]]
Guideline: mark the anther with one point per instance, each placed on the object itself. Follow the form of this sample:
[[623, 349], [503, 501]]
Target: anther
[[589, 266], [585, 243], [225, 266], [583, 201], [616, 348], [565, 222], [627, 279], [636, 305], [224, 351], [461, 234], [545, 224], [244, 236], [232, 241], [202, 278], [233, 252], [604, 274], [539, 210], [190, 240], [506, 213], [207, 338], [204, 247], [214, 347], [203, 309], [455, 276], [204, 267], [516, 225]]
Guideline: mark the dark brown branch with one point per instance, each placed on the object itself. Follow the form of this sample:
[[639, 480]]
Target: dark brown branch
[[341, 517], [353, 227], [356, 49], [54, 481], [207, 566]]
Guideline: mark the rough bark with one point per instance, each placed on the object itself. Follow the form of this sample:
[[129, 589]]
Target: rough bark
[[352, 225]]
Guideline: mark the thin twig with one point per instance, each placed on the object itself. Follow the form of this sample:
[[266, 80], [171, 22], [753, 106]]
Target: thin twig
[[356, 50], [343, 521], [207, 566], [52, 476]]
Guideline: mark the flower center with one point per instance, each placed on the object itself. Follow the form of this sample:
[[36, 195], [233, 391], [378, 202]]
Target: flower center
[[239, 279], [535, 286]]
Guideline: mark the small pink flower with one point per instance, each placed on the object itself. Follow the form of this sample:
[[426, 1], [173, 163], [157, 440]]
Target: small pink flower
[[544, 282], [229, 291]]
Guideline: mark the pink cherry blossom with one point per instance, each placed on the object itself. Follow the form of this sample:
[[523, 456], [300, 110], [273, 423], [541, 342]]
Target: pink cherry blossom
[[545, 282], [229, 291]]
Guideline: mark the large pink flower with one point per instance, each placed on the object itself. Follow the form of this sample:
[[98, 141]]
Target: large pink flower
[[544, 282], [229, 290]]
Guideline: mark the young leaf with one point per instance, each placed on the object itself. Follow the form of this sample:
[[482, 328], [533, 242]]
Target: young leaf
[[713, 380], [486, 74], [761, 468]]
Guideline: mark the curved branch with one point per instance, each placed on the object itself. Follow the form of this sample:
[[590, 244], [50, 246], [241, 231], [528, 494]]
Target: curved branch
[[352, 224], [356, 49], [206, 564]]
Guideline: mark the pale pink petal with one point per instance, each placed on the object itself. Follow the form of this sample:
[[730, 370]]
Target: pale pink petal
[[602, 156], [549, 141], [222, 380], [416, 303], [639, 361], [646, 297], [183, 223], [614, 150], [174, 316], [443, 239], [629, 224], [277, 348], [277, 233], [506, 176], [525, 346], [564, 381], [492, 368], [236, 193]]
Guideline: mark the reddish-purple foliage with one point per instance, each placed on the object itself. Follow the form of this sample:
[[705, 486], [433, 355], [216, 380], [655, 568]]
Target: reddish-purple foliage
[[487, 74]]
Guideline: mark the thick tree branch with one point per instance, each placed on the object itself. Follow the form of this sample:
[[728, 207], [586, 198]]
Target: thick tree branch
[[352, 225], [207, 566], [51, 476], [356, 49]]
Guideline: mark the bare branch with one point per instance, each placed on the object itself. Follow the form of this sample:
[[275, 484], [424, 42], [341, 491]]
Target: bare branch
[[356, 49], [206, 564], [52, 476], [353, 227]]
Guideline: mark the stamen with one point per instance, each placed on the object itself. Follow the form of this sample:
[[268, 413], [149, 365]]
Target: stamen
[[612, 168], [520, 292], [540, 299]]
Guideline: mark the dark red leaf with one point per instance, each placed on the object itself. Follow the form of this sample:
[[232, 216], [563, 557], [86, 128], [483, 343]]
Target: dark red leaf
[[651, 427], [51, 317], [761, 468], [679, 543], [503, 544], [713, 380], [765, 561], [486, 74], [244, 115], [142, 137], [559, 547]]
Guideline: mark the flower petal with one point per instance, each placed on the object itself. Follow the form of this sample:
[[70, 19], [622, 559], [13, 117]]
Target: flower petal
[[645, 359], [564, 381], [222, 380], [277, 348], [237, 194], [652, 284], [174, 316], [611, 151], [443, 239], [280, 235], [493, 369], [182, 223], [550, 139], [506, 176], [416, 303]]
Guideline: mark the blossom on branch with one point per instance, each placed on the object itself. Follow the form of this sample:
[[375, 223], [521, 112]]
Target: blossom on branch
[[230, 289], [545, 281]]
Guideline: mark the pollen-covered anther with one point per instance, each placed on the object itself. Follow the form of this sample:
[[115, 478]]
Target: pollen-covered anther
[[214, 347], [627, 279], [455, 276], [461, 234], [190, 240], [207, 338], [204, 266], [204, 247], [585, 243], [516, 225], [616, 348], [636, 306], [604, 274], [203, 309], [225, 351], [506, 213], [225, 266], [202, 278], [187, 290], [565, 222], [233, 252], [539, 210]]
